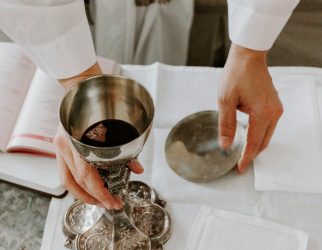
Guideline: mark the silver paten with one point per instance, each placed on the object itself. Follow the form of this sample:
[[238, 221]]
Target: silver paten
[[143, 223], [192, 148]]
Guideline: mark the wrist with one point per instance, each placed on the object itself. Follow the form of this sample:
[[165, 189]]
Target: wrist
[[249, 55], [69, 82]]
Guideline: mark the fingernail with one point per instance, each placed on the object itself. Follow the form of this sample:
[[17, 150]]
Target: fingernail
[[118, 203], [137, 167], [224, 142], [241, 170], [118, 207], [108, 206], [100, 205]]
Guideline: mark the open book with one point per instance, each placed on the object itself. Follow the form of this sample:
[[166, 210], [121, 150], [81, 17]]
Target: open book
[[29, 102]]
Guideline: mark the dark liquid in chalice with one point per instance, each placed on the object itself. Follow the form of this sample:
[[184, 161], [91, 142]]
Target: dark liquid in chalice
[[109, 133]]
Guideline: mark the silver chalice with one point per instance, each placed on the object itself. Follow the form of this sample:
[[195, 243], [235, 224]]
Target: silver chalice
[[143, 223]]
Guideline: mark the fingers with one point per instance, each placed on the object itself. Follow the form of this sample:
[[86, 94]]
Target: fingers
[[255, 135], [268, 135], [80, 178], [260, 131], [89, 178], [136, 166], [71, 185], [227, 123], [271, 128]]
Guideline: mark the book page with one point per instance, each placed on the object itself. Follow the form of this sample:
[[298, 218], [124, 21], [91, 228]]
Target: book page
[[16, 72], [31, 171], [38, 120]]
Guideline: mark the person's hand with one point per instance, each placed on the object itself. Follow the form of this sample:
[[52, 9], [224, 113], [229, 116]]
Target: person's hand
[[246, 85], [77, 176], [81, 179]]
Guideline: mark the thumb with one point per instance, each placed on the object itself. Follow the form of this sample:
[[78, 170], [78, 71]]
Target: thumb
[[136, 166], [226, 124]]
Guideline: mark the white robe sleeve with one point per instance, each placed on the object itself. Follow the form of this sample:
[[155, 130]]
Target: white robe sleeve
[[255, 24], [54, 33]]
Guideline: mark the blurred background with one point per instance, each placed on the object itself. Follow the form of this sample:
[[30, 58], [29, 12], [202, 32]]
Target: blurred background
[[300, 43]]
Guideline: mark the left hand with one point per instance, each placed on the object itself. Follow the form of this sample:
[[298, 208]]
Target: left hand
[[77, 176]]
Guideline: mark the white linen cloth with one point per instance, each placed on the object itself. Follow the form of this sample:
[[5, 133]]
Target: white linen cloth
[[293, 160], [222, 230], [298, 138], [232, 192], [184, 219], [255, 24], [53, 33], [56, 36], [53, 237]]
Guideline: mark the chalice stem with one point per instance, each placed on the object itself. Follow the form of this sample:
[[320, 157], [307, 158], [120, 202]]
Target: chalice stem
[[115, 177]]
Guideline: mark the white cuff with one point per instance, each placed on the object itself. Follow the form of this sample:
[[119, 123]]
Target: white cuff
[[253, 29], [54, 33], [67, 55]]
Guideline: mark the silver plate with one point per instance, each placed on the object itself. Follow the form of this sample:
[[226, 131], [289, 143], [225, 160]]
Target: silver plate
[[153, 221], [143, 224], [80, 217], [139, 193], [192, 148]]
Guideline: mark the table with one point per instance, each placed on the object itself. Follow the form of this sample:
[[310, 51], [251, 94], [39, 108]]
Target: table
[[232, 192], [22, 217]]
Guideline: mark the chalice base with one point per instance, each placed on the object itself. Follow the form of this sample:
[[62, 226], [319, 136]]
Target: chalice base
[[142, 224]]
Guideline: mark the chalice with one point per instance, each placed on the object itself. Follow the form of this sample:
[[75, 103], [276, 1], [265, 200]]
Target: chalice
[[108, 118]]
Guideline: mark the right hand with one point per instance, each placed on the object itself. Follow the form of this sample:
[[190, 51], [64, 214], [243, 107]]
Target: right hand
[[77, 176], [83, 180], [246, 85]]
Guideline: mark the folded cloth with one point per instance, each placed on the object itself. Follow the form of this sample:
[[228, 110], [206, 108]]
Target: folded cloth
[[293, 161], [221, 230]]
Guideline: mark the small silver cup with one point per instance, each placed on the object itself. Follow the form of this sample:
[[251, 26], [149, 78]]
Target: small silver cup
[[92, 100]]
